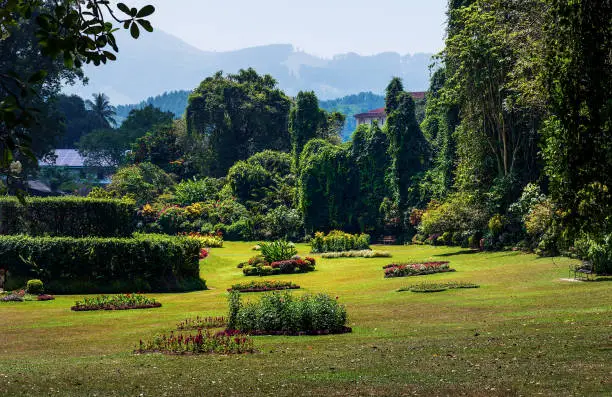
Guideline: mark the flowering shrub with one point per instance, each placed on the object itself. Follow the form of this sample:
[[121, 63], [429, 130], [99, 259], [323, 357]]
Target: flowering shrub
[[262, 286], [224, 342], [357, 254], [11, 298], [415, 269], [115, 302], [258, 266], [280, 313], [45, 297], [336, 241], [203, 253], [207, 240], [201, 323]]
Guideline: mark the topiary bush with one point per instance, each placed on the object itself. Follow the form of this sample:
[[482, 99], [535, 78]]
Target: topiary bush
[[67, 216], [94, 264], [35, 287]]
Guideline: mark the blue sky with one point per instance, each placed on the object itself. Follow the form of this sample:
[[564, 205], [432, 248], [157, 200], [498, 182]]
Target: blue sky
[[320, 27]]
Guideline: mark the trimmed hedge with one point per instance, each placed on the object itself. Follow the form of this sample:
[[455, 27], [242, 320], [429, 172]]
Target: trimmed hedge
[[103, 265], [67, 216], [339, 241]]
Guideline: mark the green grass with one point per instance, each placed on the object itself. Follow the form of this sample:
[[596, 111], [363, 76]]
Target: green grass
[[523, 332]]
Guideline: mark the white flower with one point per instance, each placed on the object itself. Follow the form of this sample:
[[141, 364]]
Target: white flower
[[15, 167]]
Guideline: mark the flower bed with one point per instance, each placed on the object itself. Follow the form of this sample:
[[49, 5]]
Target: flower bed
[[280, 313], [263, 286], [257, 266], [415, 269], [202, 323], [21, 296], [438, 287], [223, 342], [116, 302], [207, 240], [356, 254]]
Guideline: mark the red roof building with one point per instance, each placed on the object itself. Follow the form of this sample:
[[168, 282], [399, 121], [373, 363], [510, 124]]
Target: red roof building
[[379, 114]]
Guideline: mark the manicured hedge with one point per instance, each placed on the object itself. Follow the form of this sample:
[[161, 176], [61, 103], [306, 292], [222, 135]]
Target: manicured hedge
[[67, 216], [93, 264]]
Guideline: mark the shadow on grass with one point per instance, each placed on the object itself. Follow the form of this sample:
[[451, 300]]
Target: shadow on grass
[[462, 252]]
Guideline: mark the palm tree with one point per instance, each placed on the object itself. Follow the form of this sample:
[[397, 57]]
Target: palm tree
[[102, 109]]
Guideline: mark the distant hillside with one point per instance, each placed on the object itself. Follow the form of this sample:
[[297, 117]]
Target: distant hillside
[[350, 105], [159, 62], [173, 101]]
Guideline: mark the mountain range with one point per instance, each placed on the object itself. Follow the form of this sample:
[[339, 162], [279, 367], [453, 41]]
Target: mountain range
[[159, 62]]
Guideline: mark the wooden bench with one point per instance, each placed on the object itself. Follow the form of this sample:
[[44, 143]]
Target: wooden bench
[[389, 240], [583, 271]]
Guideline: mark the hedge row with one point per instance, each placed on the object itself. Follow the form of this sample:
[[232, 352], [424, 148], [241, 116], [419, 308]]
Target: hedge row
[[67, 216], [93, 264]]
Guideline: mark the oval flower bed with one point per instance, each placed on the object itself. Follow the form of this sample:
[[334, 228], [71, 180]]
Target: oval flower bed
[[263, 286], [416, 269], [223, 342], [202, 323], [115, 302], [258, 266], [438, 287], [356, 254]]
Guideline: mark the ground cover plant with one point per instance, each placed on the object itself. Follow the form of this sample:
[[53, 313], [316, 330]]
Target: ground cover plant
[[115, 302], [281, 313], [337, 241], [526, 333], [201, 323], [223, 342], [438, 287], [356, 254], [263, 286], [416, 269]]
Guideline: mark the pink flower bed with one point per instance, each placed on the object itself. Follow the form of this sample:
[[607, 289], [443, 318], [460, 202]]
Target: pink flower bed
[[416, 269]]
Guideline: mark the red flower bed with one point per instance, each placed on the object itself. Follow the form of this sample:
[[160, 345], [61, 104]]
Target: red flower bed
[[344, 330], [263, 286]]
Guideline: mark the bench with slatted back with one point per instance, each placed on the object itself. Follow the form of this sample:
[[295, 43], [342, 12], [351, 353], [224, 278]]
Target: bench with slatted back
[[389, 240]]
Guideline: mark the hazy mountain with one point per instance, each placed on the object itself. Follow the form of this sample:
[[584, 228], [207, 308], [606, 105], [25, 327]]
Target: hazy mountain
[[160, 62]]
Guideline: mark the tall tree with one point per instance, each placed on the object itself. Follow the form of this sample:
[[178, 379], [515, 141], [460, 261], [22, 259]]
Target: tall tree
[[66, 31], [102, 109], [407, 146], [305, 118], [578, 138], [236, 116]]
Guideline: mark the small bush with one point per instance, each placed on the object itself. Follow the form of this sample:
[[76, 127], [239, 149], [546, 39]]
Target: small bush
[[282, 313], [35, 287], [337, 241], [258, 266], [207, 240], [356, 254]]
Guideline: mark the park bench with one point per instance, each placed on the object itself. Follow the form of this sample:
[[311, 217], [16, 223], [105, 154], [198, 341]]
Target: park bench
[[582, 271], [389, 240]]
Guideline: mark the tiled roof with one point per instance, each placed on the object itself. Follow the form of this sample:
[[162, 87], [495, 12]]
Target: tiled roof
[[380, 112]]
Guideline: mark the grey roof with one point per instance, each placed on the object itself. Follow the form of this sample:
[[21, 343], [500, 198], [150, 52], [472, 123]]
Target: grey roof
[[65, 158]]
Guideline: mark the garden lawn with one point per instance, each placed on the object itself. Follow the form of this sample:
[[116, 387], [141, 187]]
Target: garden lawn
[[523, 332]]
